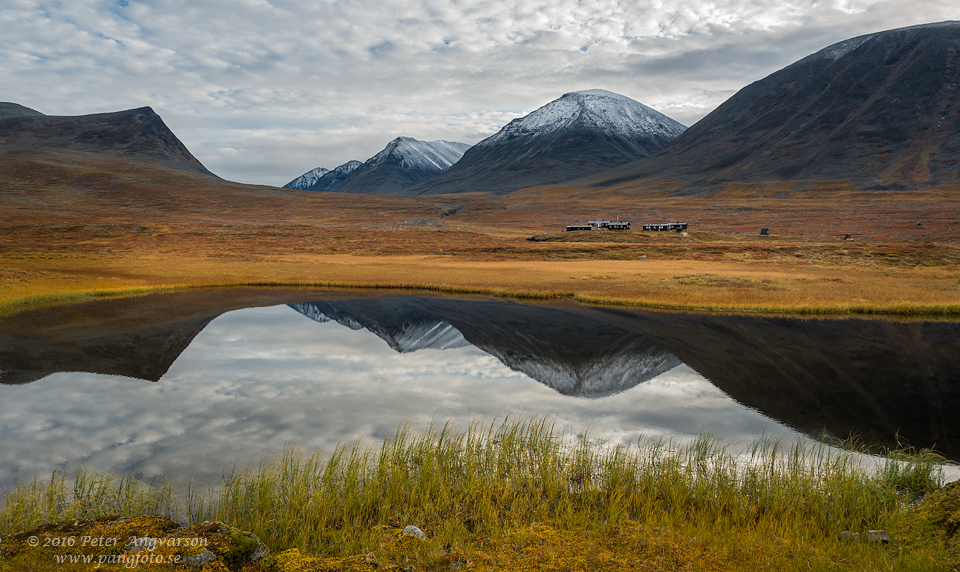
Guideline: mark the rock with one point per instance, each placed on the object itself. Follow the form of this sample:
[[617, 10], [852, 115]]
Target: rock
[[880, 536], [847, 535], [411, 530], [260, 552], [201, 559]]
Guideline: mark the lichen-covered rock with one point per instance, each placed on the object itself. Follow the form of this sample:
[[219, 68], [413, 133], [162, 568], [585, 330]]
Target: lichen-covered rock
[[411, 530], [198, 560]]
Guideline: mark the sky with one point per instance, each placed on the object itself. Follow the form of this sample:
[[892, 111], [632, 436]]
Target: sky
[[263, 90]]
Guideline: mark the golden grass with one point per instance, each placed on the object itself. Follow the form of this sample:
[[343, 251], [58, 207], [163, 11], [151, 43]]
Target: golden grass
[[734, 285]]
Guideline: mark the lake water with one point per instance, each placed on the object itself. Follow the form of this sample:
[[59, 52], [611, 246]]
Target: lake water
[[185, 385]]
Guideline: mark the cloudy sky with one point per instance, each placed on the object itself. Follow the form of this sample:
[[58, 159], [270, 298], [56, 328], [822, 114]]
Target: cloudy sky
[[263, 90]]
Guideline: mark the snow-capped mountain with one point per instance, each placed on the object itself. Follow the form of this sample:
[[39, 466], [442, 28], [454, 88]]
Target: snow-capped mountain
[[572, 354], [308, 179], [404, 162], [580, 134], [597, 110], [434, 156]]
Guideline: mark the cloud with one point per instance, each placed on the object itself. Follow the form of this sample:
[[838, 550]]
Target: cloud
[[242, 82]]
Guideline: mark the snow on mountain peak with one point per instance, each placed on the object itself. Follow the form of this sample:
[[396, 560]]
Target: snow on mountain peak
[[428, 155], [595, 109], [346, 168], [307, 180]]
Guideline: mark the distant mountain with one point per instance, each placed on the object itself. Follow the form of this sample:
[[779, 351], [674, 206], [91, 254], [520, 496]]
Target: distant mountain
[[880, 111], [578, 135], [137, 134], [307, 180], [334, 179], [404, 162], [574, 355]]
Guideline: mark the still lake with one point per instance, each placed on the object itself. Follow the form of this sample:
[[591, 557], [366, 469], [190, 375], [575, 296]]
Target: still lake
[[186, 385]]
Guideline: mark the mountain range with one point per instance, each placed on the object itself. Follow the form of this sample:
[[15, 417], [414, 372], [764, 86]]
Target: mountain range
[[879, 111], [580, 134]]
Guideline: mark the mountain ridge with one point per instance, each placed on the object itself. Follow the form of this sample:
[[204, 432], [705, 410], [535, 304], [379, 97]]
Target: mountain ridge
[[404, 162]]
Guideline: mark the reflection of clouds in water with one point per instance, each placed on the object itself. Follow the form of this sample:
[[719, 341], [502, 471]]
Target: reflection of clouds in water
[[257, 379]]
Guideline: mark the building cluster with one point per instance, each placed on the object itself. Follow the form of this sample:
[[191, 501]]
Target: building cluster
[[599, 224], [623, 225]]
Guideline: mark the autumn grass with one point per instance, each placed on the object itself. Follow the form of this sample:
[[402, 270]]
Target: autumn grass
[[776, 286], [523, 495]]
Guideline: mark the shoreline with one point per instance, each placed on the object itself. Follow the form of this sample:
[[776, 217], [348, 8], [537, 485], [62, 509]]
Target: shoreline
[[10, 305]]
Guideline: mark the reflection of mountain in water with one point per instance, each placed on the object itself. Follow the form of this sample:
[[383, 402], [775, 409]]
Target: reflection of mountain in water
[[877, 379], [409, 337], [573, 354], [137, 337]]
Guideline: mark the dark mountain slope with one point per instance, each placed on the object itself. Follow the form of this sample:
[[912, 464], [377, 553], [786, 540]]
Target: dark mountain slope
[[880, 110], [138, 134]]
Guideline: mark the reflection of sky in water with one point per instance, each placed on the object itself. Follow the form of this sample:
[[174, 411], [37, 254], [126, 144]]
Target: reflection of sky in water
[[257, 379]]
